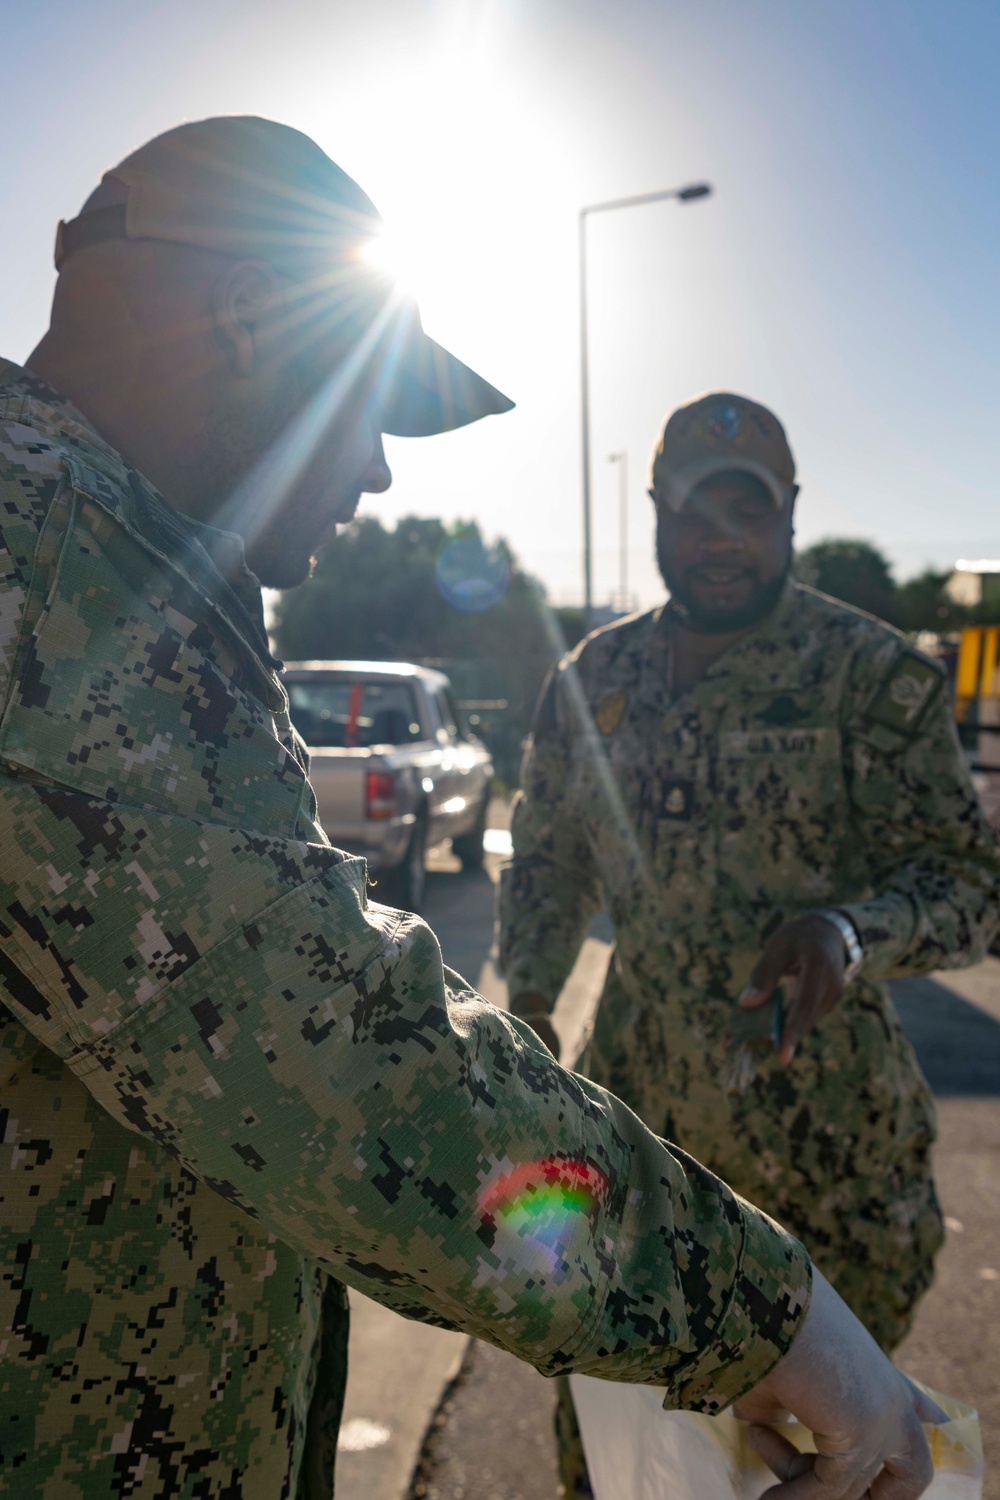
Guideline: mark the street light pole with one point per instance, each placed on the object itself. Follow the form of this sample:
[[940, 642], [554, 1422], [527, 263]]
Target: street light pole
[[588, 563], [621, 459], [683, 195]]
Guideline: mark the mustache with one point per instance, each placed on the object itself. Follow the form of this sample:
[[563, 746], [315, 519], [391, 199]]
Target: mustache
[[763, 597]]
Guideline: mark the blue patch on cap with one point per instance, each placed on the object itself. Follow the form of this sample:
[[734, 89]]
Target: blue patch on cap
[[725, 422]]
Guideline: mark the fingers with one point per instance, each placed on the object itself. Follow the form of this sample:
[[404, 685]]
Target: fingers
[[810, 1484], [808, 1476], [911, 1472], [901, 1487], [904, 1481], [778, 958], [817, 990], [782, 1458], [927, 1410]]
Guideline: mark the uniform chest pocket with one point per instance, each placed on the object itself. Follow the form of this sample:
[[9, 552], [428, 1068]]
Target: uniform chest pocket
[[782, 802], [645, 807]]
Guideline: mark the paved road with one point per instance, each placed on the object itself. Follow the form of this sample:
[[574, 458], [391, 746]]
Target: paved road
[[400, 1370], [488, 1431]]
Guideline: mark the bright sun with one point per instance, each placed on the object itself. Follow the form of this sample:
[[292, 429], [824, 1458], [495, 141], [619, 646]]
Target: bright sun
[[383, 252], [386, 252]]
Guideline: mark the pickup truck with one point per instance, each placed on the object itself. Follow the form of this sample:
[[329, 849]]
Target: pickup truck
[[395, 769]]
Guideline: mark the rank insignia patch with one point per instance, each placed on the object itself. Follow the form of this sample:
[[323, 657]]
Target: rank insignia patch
[[609, 712], [678, 800], [905, 694]]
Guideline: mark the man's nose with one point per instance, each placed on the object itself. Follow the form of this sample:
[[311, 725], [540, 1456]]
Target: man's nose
[[377, 476], [722, 535]]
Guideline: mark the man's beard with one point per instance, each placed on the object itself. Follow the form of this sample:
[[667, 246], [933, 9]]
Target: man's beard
[[282, 532], [762, 600]]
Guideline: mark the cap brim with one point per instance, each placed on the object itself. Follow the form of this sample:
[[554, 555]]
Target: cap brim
[[678, 485], [428, 390]]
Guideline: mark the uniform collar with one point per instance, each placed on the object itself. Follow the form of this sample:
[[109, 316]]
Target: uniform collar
[[213, 561], [759, 662]]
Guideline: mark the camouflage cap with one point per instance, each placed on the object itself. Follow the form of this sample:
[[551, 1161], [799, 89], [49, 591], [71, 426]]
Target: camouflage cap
[[715, 433], [246, 186]]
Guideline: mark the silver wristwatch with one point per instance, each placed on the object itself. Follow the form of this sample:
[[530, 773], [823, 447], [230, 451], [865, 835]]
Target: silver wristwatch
[[852, 943]]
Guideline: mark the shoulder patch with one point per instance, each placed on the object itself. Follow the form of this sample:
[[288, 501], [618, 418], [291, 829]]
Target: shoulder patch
[[92, 483], [609, 712], [905, 693]]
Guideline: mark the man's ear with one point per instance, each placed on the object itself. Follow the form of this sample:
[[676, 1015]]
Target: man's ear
[[244, 298]]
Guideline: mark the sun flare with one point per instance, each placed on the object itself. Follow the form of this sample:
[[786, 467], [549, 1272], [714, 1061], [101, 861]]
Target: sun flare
[[387, 252]]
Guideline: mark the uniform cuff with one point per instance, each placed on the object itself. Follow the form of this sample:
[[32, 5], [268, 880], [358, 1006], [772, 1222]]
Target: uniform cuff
[[771, 1291], [885, 928]]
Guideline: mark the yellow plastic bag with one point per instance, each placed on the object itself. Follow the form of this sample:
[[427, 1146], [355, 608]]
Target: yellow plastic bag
[[637, 1451]]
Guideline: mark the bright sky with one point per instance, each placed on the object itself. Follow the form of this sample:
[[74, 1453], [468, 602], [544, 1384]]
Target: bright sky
[[844, 272]]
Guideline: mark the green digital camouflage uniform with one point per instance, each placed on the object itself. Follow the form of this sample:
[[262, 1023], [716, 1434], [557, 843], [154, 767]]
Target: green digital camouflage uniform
[[814, 765], [224, 1072]]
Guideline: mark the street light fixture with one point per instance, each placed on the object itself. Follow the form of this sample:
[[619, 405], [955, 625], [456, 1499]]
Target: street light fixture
[[687, 194]]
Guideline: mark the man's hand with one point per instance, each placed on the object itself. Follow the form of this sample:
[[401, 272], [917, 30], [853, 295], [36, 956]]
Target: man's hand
[[810, 951], [534, 1009], [865, 1415]]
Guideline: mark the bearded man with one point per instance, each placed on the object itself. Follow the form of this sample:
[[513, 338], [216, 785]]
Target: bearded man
[[765, 787]]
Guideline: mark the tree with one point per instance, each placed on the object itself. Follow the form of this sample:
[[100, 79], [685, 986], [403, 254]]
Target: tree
[[922, 604], [426, 593], [853, 571]]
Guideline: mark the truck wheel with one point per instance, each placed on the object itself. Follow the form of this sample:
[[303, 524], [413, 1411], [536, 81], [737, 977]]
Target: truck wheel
[[469, 846], [409, 879]]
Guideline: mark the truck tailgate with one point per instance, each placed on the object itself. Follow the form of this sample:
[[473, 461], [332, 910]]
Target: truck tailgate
[[338, 778]]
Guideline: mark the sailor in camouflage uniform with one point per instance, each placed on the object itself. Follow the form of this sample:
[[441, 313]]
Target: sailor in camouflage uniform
[[761, 783], [225, 1073]]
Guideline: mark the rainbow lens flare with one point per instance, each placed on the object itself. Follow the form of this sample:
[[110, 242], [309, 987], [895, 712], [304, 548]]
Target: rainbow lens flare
[[540, 1200]]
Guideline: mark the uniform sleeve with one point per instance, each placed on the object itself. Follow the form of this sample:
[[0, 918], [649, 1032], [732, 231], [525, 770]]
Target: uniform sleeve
[[936, 897], [550, 889], [238, 1001], [233, 997]]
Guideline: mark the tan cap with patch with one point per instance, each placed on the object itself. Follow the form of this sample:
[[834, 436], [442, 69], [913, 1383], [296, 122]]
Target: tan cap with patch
[[250, 187], [715, 433]]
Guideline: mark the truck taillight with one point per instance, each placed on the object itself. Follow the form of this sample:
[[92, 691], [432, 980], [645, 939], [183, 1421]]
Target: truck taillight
[[380, 794]]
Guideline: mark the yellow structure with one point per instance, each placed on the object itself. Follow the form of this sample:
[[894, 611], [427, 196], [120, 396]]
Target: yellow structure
[[977, 677]]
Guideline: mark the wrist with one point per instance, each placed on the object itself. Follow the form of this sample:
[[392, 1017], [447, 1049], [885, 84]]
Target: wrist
[[854, 953]]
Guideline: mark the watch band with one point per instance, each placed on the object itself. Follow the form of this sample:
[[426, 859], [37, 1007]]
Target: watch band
[[852, 943]]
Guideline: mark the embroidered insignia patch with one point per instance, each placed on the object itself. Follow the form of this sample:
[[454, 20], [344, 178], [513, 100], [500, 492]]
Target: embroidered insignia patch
[[724, 423], [782, 712], [905, 693], [678, 800], [609, 712]]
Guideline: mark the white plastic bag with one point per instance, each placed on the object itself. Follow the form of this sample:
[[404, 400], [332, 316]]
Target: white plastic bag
[[637, 1451]]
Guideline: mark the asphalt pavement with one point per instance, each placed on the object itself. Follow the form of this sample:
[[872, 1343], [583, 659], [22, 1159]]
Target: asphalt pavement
[[436, 1416]]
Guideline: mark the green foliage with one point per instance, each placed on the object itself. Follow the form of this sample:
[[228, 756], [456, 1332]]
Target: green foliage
[[858, 573], [374, 596], [922, 604], [854, 571]]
